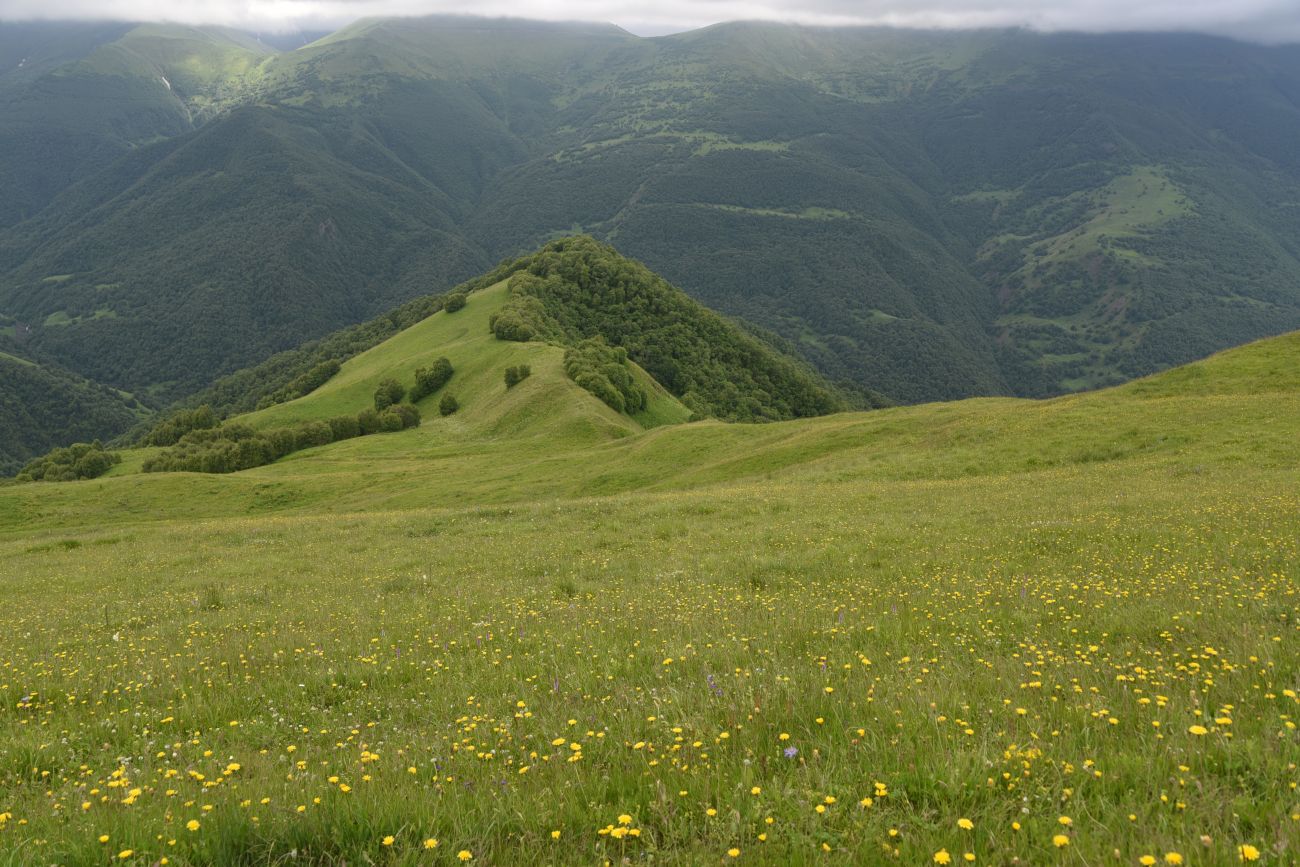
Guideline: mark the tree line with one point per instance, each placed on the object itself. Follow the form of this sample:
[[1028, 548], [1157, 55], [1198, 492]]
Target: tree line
[[235, 446], [71, 463]]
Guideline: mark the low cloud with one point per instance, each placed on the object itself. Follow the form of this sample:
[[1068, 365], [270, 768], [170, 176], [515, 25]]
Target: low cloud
[[1257, 20]]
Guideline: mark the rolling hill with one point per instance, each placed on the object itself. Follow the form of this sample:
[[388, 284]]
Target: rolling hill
[[464, 640], [548, 437], [927, 215]]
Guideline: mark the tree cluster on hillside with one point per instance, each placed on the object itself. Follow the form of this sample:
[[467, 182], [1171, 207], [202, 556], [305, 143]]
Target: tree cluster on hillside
[[429, 379], [603, 370], [234, 446], [522, 318], [68, 464], [517, 374], [576, 288], [388, 392], [169, 430]]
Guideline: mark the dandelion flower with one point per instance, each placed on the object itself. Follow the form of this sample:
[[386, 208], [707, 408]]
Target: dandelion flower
[[1060, 841], [465, 855], [965, 824], [1173, 858], [1198, 730], [942, 857], [1247, 852]]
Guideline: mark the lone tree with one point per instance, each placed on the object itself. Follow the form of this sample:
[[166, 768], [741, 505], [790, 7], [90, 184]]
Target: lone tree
[[448, 404], [390, 391], [430, 379], [453, 302]]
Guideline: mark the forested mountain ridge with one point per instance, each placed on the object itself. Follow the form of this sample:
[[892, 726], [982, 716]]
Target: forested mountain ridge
[[74, 97], [926, 214]]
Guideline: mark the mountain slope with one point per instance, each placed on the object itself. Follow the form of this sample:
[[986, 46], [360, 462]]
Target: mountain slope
[[941, 214], [42, 407], [75, 97], [924, 214], [198, 255], [529, 627]]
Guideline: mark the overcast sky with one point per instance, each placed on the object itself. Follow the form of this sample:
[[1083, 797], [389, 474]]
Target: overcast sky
[[1260, 20]]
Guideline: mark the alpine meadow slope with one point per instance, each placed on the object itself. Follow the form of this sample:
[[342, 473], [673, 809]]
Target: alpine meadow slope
[[926, 215], [402, 557], [539, 631]]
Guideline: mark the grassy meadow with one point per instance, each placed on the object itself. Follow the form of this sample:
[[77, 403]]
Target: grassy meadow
[[998, 631]]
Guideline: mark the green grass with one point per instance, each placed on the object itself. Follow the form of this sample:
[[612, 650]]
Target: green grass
[[14, 358], [1128, 206], [548, 439], [805, 214], [61, 317], [984, 607]]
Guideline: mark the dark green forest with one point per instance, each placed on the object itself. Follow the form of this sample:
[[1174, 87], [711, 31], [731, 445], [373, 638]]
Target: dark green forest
[[42, 407], [608, 308], [919, 214]]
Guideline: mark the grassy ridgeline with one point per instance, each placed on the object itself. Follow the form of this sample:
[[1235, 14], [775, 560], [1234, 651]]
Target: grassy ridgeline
[[547, 438], [1020, 614], [549, 405]]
